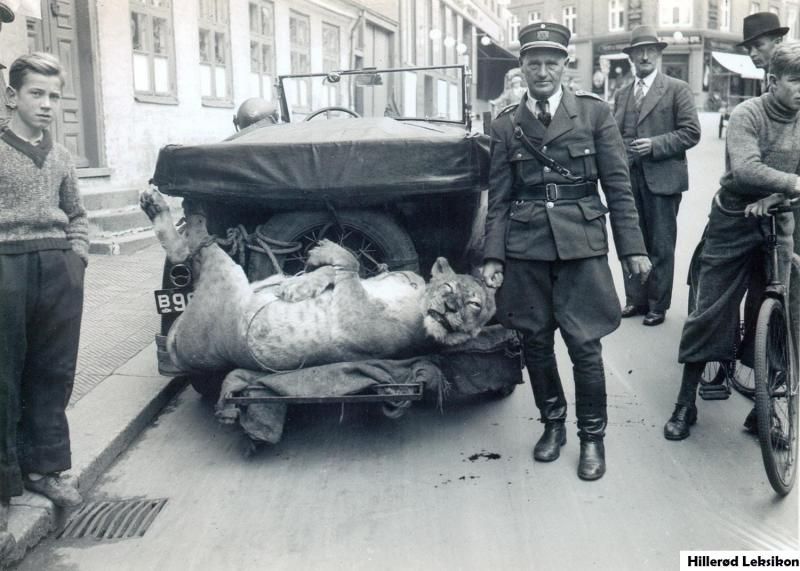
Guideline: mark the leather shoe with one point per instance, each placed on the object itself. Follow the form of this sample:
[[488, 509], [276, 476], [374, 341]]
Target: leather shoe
[[592, 463], [677, 427], [548, 448], [630, 310], [654, 318], [61, 492]]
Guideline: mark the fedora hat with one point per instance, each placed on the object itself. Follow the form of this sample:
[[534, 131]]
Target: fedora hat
[[644, 36], [548, 35], [761, 24], [6, 13]]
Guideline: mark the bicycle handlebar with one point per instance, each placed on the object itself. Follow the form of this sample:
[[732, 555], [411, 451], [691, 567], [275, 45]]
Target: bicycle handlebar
[[792, 204]]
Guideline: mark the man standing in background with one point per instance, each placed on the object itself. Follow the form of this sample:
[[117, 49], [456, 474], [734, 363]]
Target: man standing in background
[[659, 123], [6, 16]]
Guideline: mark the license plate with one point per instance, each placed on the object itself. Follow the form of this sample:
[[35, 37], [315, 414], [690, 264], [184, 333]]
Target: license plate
[[172, 300]]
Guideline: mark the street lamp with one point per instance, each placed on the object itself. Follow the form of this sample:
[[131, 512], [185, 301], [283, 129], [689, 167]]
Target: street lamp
[[677, 36], [449, 42], [485, 40], [435, 34], [461, 48]]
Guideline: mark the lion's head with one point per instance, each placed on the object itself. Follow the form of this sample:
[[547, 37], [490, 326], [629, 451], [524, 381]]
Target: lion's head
[[455, 306]]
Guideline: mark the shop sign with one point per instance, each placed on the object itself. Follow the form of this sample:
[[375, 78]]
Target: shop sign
[[715, 45], [683, 40]]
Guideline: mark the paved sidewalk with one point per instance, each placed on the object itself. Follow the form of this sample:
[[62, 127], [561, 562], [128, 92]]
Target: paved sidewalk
[[118, 390], [119, 317]]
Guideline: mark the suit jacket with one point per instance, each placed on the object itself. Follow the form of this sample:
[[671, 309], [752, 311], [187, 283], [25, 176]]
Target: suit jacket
[[584, 138], [669, 118]]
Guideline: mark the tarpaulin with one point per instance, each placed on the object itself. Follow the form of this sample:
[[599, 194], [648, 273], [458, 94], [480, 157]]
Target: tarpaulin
[[334, 160]]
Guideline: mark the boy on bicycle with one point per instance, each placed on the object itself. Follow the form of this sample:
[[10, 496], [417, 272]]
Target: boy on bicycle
[[762, 161]]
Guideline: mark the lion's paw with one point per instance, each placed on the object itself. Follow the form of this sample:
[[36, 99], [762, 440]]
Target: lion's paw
[[328, 253], [153, 204], [306, 286]]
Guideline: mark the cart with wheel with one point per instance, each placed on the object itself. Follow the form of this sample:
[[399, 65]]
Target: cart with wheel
[[381, 161]]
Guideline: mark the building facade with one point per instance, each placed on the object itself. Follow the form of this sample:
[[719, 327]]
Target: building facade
[[702, 37], [142, 74]]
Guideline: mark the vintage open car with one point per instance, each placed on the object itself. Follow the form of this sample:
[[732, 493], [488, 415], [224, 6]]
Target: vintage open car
[[382, 161]]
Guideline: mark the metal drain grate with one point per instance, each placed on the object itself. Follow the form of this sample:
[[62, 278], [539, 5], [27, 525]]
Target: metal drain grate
[[112, 519]]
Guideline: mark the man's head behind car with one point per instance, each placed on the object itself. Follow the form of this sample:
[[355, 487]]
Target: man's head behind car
[[254, 110]]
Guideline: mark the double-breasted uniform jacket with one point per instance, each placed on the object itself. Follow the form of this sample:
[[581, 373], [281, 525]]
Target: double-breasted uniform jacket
[[584, 138], [669, 118]]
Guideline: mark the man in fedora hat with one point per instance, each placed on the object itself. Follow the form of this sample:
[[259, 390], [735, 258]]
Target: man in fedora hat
[[546, 244], [6, 16], [658, 120], [762, 33]]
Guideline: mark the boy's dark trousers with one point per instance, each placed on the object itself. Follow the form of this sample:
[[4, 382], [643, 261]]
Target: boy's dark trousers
[[41, 302]]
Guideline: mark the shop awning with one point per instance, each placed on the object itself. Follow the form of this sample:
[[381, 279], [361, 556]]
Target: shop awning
[[739, 64], [493, 63]]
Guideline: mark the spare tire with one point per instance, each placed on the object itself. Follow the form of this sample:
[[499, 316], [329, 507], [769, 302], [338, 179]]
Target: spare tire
[[373, 237]]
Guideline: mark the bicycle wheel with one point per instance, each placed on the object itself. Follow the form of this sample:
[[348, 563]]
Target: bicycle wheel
[[776, 395]]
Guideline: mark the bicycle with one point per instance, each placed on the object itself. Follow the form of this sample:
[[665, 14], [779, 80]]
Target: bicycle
[[776, 362]]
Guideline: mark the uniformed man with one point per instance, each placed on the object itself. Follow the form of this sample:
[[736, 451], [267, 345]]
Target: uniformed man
[[255, 110], [546, 241]]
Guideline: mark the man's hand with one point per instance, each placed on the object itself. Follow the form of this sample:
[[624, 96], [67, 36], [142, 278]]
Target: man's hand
[[637, 266], [492, 273], [642, 147], [761, 207]]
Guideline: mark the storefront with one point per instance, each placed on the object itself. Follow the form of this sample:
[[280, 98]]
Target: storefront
[[729, 75]]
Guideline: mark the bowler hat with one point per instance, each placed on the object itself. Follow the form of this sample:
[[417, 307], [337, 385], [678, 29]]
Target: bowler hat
[[761, 24], [6, 13], [544, 35], [644, 36]]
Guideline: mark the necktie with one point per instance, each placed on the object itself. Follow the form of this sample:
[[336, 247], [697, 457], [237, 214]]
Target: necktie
[[542, 113], [638, 95]]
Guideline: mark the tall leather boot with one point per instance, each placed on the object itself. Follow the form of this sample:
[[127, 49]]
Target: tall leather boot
[[7, 541], [590, 409], [549, 397]]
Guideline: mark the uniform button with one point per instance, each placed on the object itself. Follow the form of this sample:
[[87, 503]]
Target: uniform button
[[546, 169], [549, 204], [519, 155], [544, 148], [586, 151]]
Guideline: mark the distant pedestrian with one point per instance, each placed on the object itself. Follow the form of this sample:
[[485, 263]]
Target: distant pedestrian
[[658, 120], [43, 254], [762, 33]]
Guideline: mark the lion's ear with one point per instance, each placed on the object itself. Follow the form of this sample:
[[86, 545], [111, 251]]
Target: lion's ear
[[441, 268]]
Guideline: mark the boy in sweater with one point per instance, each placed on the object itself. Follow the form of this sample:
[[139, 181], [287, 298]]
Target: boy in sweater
[[43, 253], [762, 157]]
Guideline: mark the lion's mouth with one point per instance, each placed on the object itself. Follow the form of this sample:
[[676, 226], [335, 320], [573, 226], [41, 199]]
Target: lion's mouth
[[441, 320]]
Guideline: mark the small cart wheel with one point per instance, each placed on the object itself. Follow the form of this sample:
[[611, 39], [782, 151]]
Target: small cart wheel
[[395, 410]]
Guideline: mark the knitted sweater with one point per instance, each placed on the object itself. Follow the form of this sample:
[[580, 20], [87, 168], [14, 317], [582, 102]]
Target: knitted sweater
[[40, 206], [762, 149]]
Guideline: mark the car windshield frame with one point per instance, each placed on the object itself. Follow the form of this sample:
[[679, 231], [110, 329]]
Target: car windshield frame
[[465, 85]]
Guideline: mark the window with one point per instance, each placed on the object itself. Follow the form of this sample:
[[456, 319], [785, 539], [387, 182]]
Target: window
[[513, 28], [676, 12], [262, 48], [153, 50], [569, 17], [725, 15], [215, 58], [791, 21], [534, 17], [616, 15], [755, 7], [330, 61], [300, 57]]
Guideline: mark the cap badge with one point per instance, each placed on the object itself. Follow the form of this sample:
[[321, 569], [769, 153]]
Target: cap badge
[[543, 35]]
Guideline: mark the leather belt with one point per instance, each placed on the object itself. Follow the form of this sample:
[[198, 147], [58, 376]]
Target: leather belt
[[552, 192]]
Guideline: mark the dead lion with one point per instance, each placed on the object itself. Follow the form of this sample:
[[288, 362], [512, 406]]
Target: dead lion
[[327, 315]]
